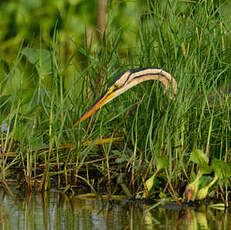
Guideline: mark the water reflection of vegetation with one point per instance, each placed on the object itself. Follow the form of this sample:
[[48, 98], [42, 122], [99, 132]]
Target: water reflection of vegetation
[[57, 211], [47, 82]]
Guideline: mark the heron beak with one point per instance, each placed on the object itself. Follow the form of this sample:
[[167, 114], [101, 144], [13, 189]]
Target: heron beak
[[107, 96]]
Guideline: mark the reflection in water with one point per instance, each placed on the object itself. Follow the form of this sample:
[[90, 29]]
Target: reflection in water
[[57, 211]]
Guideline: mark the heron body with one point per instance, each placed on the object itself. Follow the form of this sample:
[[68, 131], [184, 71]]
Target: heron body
[[127, 80]]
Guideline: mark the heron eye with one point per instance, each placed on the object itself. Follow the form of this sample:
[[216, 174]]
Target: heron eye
[[116, 85]]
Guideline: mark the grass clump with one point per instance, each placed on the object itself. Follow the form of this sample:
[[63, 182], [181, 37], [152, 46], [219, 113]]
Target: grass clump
[[42, 96]]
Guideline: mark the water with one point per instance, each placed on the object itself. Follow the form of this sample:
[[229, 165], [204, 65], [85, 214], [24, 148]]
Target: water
[[56, 211]]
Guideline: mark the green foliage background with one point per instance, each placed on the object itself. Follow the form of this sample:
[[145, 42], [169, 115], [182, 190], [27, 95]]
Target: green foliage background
[[53, 66]]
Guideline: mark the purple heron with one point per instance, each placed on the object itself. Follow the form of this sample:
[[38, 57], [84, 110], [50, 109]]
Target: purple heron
[[127, 80]]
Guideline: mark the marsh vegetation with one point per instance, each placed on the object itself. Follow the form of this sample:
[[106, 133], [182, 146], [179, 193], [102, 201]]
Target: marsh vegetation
[[55, 63]]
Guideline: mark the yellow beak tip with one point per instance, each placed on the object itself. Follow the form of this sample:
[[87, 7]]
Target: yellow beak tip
[[75, 124]]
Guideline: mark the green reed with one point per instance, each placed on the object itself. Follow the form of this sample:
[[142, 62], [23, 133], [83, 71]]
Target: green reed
[[42, 96]]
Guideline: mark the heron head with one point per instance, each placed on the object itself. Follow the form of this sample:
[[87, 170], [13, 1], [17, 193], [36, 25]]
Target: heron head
[[127, 80]]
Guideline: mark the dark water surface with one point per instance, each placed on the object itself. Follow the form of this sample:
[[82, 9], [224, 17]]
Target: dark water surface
[[56, 211]]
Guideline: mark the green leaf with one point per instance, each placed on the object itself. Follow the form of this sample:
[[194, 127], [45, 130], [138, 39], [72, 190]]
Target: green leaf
[[149, 182], [41, 58], [161, 163], [199, 157], [222, 169], [121, 157]]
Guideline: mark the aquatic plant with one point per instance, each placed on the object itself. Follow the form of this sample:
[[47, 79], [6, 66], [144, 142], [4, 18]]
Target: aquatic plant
[[49, 79]]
